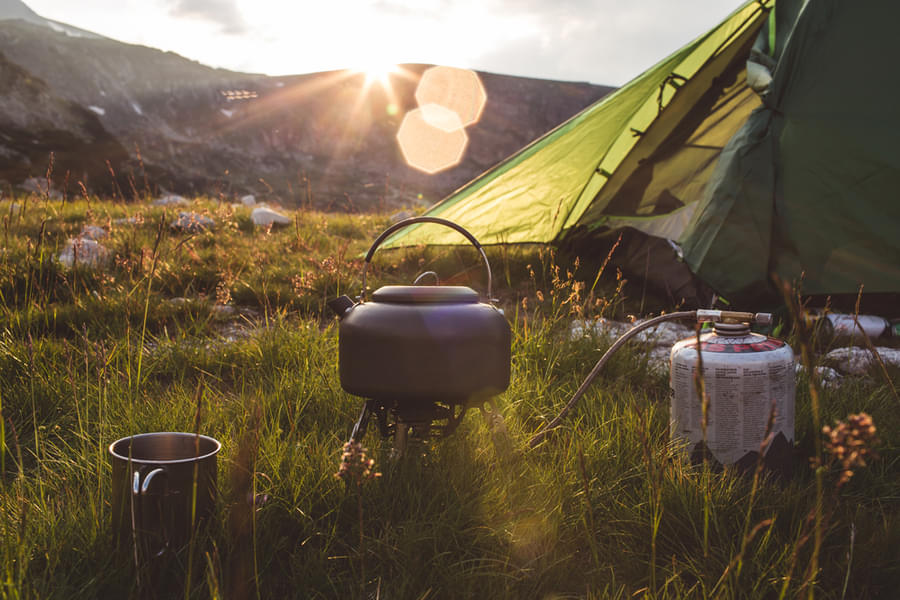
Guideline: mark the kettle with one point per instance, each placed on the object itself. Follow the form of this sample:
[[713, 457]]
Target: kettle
[[417, 351]]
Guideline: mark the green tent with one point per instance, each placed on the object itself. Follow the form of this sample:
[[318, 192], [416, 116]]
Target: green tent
[[799, 181]]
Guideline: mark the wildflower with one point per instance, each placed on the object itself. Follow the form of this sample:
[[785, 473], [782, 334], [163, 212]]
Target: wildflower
[[356, 466], [851, 443]]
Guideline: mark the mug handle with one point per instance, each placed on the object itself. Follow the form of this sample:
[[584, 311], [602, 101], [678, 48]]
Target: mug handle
[[140, 491]]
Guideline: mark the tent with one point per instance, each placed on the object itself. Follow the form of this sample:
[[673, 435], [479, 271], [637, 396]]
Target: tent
[[799, 181]]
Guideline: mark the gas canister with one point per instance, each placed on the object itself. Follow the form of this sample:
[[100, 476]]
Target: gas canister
[[749, 382]]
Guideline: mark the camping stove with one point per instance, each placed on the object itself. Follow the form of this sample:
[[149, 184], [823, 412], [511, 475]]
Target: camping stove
[[421, 355]]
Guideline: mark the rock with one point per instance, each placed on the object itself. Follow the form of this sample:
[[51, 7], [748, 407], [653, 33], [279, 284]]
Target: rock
[[223, 311], [602, 327], [850, 361], [93, 232], [890, 356], [171, 200], [664, 334], [264, 217], [857, 361], [38, 187], [401, 216], [827, 376], [84, 252], [192, 222], [125, 221], [248, 200], [658, 359]]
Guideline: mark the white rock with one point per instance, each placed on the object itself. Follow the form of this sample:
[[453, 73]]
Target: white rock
[[658, 359], [857, 361], [93, 232], [38, 187], [890, 356], [827, 376], [248, 200], [850, 361], [400, 216], [171, 200], [192, 222], [85, 252], [125, 221], [602, 327], [664, 334], [264, 217], [223, 311]]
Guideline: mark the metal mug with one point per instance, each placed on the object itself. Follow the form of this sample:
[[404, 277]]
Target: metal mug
[[163, 490]]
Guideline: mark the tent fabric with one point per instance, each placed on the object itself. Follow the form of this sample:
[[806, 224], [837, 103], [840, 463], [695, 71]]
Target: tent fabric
[[808, 188], [800, 186], [532, 195]]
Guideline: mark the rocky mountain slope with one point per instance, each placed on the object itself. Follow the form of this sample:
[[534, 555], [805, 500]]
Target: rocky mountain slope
[[164, 122]]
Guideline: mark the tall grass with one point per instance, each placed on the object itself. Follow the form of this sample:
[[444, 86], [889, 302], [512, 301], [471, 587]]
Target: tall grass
[[232, 321]]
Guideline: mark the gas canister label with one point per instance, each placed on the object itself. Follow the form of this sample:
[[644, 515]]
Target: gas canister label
[[736, 347], [742, 396]]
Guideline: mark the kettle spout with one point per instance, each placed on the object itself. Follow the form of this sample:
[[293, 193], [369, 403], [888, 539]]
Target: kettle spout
[[340, 305]]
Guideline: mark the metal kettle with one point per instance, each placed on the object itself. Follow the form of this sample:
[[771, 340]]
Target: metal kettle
[[418, 351]]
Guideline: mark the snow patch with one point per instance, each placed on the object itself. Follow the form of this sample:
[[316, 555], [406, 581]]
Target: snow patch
[[226, 112], [137, 108], [97, 109], [66, 30]]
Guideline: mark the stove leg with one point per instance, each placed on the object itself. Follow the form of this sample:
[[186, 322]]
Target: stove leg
[[359, 430]]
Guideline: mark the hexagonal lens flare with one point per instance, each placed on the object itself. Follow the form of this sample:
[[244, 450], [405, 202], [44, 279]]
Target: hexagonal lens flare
[[441, 117], [432, 139], [459, 90]]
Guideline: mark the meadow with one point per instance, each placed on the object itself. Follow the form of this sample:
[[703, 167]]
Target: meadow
[[225, 332]]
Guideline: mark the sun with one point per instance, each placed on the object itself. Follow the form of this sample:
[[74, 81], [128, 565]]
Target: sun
[[378, 72]]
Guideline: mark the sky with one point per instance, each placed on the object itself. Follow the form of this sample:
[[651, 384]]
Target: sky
[[601, 41]]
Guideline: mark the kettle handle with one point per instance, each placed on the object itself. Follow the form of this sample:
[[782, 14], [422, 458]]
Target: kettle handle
[[412, 221]]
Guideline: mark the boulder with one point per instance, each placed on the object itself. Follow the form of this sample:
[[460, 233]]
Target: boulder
[[664, 334], [92, 232], [854, 360], [39, 187], [658, 360], [84, 252], [248, 200], [192, 222], [826, 376], [171, 200], [265, 217], [401, 216]]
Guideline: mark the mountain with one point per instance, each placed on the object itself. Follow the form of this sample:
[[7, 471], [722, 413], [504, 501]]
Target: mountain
[[164, 122], [15, 9]]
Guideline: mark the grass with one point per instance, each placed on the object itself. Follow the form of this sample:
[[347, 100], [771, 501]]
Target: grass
[[605, 508]]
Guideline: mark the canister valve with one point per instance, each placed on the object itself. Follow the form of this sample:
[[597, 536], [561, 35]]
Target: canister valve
[[731, 316]]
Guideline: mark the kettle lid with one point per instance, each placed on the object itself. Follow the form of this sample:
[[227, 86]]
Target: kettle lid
[[426, 294]]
